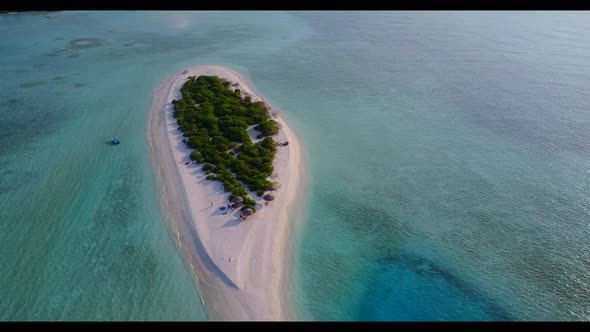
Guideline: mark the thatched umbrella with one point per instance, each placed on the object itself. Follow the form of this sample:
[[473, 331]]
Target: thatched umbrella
[[269, 197], [247, 212], [237, 200]]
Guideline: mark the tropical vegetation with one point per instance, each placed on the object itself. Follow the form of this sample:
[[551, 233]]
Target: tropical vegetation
[[215, 120]]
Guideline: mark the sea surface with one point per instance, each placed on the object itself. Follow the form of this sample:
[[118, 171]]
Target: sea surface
[[448, 161]]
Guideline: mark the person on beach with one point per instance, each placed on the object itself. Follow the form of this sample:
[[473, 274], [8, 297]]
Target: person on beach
[[211, 203]]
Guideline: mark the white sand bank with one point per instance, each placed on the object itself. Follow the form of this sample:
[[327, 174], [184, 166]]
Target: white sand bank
[[240, 265]]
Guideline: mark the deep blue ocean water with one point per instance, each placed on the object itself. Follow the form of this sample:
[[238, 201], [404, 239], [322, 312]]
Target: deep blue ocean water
[[448, 161]]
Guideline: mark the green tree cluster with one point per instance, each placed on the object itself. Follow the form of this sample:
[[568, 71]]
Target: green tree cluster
[[215, 119]]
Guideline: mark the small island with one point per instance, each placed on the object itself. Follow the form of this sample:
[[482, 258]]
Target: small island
[[215, 119], [214, 139]]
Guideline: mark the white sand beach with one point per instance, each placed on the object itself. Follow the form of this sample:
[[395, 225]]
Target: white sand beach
[[240, 266]]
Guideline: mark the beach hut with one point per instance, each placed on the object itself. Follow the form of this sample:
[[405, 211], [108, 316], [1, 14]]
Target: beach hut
[[247, 212], [237, 200], [269, 197], [275, 186]]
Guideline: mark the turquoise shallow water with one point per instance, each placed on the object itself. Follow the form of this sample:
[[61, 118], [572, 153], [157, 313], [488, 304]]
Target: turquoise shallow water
[[448, 161]]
